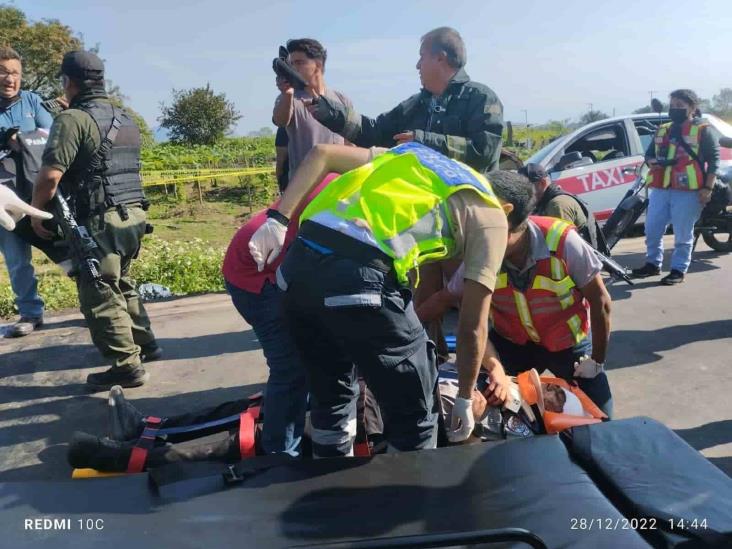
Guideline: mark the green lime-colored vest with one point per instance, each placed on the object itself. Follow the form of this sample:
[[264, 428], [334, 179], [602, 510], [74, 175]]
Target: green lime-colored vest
[[400, 200]]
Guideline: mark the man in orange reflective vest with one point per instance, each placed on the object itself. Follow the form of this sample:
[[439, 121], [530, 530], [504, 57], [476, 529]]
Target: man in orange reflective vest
[[683, 157], [550, 308]]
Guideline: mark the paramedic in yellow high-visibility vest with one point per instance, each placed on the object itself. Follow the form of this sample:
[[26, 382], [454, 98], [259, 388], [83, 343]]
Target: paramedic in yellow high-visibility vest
[[346, 282], [683, 157]]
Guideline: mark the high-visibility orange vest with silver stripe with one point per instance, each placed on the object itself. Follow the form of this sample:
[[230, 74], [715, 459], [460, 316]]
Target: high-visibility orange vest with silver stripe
[[686, 175], [551, 312]]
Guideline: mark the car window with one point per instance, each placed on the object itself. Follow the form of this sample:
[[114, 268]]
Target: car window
[[604, 143], [647, 129], [600, 144]]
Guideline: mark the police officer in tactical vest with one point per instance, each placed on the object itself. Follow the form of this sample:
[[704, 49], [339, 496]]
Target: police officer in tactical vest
[[553, 201], [93, 153]]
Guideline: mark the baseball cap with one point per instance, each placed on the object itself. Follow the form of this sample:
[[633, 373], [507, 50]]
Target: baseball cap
[[534, 172], [83, 65]]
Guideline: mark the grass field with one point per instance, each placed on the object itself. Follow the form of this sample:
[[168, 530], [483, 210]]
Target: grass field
[[192, 228]]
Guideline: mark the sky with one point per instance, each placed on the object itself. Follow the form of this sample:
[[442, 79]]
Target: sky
[[551, 59]]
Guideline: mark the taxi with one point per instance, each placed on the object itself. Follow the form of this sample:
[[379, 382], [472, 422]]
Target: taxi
[[598, 162]]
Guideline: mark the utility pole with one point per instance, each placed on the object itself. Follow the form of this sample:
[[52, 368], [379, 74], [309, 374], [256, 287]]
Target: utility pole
[[590, 105], [650, 93], [526, 118]]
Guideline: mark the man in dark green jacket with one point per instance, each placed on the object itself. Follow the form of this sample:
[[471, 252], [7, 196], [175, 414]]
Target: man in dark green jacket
[[452, 114]]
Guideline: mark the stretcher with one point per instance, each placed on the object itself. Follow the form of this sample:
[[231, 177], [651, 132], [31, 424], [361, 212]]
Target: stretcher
[[626, 483]]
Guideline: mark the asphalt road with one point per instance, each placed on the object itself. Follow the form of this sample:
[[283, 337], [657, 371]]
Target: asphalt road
[[670, 358]]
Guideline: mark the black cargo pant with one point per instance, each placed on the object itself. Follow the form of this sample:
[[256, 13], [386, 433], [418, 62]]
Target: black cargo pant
[[348, 311], [185, 446]]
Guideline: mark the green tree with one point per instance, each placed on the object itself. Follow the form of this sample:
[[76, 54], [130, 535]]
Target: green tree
[[42, 45], [198, 116], [592, 116], [722, 102]]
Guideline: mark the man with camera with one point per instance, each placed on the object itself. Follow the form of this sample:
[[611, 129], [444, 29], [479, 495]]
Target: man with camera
[[452, 114], [93, 154], [307, 57], [22, 110]]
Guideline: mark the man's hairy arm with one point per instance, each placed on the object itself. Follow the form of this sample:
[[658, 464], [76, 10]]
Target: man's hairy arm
[[284, 108], [472, 335], [600, 306], [321, 160], [43, 191]]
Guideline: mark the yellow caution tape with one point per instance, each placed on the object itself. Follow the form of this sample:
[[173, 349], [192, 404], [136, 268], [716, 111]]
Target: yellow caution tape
[[166, 177]]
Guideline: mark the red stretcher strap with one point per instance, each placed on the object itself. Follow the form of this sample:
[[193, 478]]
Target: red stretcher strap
[[247, 424], [361, 449], [144, 444]]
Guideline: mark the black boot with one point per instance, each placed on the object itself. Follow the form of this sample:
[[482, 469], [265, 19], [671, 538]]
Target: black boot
[[125, 421], [150, 352], [102, 454], [646, 270], [674, 277], [126, 377]]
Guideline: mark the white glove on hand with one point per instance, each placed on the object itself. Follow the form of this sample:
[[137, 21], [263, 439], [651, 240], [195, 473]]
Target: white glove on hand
[[13, 209], [266, 243], [463, 421], [588, 368]]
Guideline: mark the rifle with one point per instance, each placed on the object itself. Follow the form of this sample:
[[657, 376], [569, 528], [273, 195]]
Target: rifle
[[285, 71], [613, 268], [83, 249]]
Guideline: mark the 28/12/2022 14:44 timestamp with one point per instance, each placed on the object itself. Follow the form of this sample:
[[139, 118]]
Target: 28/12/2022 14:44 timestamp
[[622, 523]]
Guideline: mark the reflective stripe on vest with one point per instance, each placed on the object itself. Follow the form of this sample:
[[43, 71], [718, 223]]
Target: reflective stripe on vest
[[398, 202], [525, 315], [686, 174]]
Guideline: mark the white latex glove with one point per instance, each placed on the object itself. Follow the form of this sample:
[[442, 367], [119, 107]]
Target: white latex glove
[[462, 420], [13, 209], [266, 243], [588, 368]]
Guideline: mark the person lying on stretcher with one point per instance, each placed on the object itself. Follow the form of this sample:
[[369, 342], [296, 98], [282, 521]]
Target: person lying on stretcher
[[137, 442], [534, 405]]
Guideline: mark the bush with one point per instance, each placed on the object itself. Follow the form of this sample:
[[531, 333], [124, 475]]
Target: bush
[[184, 267], [57, 290]]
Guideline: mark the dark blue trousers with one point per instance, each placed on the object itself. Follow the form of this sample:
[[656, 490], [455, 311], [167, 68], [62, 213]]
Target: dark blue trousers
[[345, 314]]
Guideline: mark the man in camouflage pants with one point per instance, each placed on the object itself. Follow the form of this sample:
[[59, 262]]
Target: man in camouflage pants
[[93, 152], [452, 114]]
